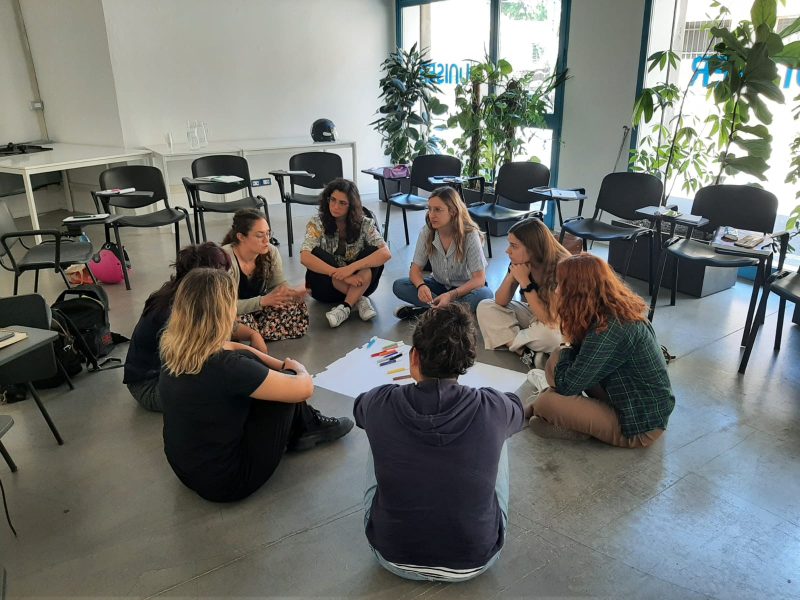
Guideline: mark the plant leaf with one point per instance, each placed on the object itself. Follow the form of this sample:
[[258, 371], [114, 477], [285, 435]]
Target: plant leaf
[[789, 55], [764, 12], [791, 28]]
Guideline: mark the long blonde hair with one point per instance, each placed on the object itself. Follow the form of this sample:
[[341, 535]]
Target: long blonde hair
[[202, 317], [460, 219]]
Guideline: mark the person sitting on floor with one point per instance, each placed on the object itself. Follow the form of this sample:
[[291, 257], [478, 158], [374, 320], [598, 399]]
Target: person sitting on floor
[[529, 326], [344, 253], [611, 354], [436, 503], [451, 241], [266, 303], [230, 411], [143, 363]]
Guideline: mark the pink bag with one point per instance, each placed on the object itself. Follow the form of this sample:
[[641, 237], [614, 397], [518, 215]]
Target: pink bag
[[396, 172]]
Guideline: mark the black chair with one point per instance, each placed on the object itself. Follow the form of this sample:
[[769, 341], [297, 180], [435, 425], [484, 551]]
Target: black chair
[[513, 182], [324, 168], [5, 424], [621, 195], [144, 179], [740, 206], [422, 169], [221, 164], [32, 311], [785, 285], [57, 253]]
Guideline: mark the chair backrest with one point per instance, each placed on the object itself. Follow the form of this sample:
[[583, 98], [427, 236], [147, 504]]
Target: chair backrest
[[30, 310], [515, 179], [326, 166], [142, 177], [432, 165], [739, 206], [222, 164], [7, 225], [621, 194]]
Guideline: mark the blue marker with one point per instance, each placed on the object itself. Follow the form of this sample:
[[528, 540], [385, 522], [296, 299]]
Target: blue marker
[[372, 340]]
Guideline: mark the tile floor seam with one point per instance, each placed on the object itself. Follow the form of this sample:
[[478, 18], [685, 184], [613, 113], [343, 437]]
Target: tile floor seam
[[258, 548]]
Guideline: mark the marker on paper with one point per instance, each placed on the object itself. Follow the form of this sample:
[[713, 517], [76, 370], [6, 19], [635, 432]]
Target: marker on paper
[[372, 340], [393, 371], [402, 377], [392, 345], [382, 353]]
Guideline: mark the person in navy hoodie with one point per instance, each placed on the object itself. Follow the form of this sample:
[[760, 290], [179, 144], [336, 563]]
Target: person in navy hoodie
[[436, 501]]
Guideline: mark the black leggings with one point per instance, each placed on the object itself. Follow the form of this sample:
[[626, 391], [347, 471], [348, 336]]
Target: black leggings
[[321, 286], [269, 428]]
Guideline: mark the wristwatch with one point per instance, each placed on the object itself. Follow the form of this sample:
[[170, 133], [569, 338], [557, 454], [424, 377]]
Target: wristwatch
[[532, 286]]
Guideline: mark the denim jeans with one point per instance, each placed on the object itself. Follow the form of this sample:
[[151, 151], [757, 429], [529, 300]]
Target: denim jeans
[[500, 490], [405, 290]]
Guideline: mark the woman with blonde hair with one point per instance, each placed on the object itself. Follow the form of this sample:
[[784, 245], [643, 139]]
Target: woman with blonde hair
[[611, 353], [529, 325], [230, 411], [265, 302], [452, 242]]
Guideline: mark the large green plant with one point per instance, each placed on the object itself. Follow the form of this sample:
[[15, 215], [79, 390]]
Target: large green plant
[[734, 137], [793, 176], [495, 126], [408, 89]]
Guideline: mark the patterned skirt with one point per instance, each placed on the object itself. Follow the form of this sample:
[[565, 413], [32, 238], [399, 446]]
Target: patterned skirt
[[275, 323]]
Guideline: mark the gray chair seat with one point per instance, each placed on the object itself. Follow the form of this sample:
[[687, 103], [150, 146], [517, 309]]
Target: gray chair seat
[[693, 250], [788, 287], [594, 229], [43, 255], [165, 216], [307, 199], [497, 213], [409, 201], [232, 206]]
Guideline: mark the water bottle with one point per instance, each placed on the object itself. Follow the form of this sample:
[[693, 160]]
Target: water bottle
[[202, 134], [191, 135]]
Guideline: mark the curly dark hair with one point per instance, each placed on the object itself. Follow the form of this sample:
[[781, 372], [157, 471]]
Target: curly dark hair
[[445, 340], [355, 212], [243, 220]]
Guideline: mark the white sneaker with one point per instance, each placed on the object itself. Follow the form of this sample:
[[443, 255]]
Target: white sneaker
[[365, 309], [337, 315]]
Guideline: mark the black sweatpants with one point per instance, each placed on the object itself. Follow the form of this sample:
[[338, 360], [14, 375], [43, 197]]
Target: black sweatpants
[[321, 286]]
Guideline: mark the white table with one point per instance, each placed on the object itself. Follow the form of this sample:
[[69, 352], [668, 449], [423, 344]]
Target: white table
[[293, 145], [61, 158]]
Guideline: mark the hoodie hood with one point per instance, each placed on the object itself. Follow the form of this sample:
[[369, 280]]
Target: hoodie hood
[[437, 411]]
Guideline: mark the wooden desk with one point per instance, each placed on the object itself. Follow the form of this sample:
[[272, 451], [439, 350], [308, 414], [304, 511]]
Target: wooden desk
[[63, 157]]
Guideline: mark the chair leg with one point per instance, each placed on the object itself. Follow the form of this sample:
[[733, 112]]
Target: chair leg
[[386, 222], [121, 257], [64, 374], [197, 223], [91, 274], [36, 281], [405, 226], [177, 239], [757, 284], [779, 330], [203, 225], [289, 228], [7, 456], [272, 240], [654, 299], [63, 276], [45, 414], [561, 235], [628, 258], [751, 339], [488, 240], [651, 246], [16, 283], [189, 229], [674, 291]]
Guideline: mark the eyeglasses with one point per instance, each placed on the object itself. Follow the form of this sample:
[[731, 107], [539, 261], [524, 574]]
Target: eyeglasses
[[436, 210], [261, 236], [341, 203]]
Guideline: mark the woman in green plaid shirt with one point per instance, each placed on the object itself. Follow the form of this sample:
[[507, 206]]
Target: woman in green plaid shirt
[[611, 355]]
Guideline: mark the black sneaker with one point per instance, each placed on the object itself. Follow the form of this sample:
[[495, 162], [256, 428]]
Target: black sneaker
[[324, 429], [410, 312], [527, 357]]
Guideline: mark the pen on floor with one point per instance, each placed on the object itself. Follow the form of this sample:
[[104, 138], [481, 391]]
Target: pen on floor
[[372, 340]]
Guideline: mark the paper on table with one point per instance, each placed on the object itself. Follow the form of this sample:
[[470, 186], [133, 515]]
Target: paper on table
[[220, 178], [338, 377], [17, 336]]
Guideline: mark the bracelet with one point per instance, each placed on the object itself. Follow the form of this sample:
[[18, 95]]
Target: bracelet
[[420, 285], [283, 366]]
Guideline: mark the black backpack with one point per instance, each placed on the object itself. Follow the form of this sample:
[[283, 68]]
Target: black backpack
[[86, 307], [67, 349]]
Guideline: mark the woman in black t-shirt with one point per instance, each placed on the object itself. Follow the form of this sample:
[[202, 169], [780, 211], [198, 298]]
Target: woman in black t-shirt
[[230, 411], [142, 364]]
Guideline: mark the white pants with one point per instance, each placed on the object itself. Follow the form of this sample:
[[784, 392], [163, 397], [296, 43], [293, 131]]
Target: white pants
[[515, 326]]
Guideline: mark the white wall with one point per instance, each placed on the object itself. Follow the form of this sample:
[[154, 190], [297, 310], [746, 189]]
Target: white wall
[[603, 59], [251, 69], [17, 121]]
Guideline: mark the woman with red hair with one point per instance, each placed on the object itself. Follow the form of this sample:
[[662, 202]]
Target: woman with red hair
[[611, 354]]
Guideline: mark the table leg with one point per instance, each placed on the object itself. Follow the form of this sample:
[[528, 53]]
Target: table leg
[[355, 163], [26, 180], [67, 191]]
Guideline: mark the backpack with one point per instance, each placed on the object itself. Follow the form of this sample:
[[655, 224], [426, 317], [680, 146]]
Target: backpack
[[86, 307], [67, 352]]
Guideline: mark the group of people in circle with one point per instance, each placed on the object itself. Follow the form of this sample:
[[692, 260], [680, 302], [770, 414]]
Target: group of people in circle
[[436, 502]]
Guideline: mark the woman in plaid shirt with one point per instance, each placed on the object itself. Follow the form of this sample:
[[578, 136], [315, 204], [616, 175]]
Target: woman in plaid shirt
[[611, 354]]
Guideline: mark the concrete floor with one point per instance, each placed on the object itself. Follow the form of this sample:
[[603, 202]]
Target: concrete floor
[[711, 511]]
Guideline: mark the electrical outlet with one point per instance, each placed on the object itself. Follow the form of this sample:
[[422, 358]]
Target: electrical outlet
[[37, 105], [261, 182]]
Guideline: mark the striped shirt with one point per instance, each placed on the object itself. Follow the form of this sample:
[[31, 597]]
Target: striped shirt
[[626, 360], [447, 269]]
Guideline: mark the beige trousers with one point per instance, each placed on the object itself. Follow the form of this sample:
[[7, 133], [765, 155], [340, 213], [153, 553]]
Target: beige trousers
[[589, 415], [515, 326]]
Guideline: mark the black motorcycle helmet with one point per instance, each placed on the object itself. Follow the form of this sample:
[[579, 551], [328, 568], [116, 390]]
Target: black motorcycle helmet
[[323, 130]]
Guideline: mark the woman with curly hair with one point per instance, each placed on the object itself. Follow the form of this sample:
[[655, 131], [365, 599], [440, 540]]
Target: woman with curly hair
[[529, 325], [451, 241], [611, 354], [344, 253], [265, 302], [437, 475]]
